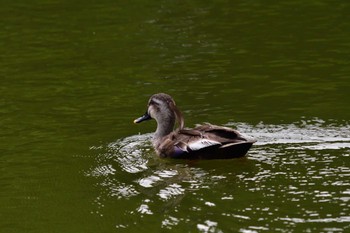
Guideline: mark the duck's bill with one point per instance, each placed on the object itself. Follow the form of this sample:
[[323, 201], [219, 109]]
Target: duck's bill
[[145, 117]]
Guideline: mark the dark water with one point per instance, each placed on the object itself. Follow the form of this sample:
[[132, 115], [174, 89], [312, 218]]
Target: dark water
[[75, 74]]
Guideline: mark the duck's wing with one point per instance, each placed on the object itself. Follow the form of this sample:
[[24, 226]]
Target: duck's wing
[[216, 142], [201, 143], [205, 141], [191, 140], [184, 141], [221, 134]]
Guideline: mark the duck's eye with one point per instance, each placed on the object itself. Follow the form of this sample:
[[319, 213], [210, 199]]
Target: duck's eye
[[152, 102]]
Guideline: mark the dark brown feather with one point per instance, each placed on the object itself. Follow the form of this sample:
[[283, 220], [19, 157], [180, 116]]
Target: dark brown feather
[[230, 142]]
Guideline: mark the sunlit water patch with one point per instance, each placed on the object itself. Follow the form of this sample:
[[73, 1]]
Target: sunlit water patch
[[295, 178]]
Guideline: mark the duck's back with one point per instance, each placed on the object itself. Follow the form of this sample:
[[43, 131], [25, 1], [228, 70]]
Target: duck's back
[[204, 142]]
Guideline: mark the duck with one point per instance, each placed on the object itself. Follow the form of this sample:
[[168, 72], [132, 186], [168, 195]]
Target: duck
[[205, 141]]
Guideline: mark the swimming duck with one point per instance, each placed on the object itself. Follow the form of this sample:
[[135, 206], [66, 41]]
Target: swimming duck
[[202, 142]]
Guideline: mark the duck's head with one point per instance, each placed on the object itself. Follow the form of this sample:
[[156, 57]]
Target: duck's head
[[162, 108]]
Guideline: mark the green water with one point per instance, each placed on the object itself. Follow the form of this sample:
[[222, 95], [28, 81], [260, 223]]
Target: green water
[[75, 74]]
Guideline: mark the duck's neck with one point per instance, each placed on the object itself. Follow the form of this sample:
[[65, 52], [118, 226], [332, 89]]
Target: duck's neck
[[164, 128]]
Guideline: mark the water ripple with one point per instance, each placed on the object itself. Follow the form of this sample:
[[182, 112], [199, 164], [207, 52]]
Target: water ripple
[[308, 134], [296, 174]]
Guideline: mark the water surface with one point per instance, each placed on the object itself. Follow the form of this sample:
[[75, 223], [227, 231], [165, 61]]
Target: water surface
[[75, 74]]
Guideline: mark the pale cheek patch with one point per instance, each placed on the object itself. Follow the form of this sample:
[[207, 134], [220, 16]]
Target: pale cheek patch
[[151, 111]]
